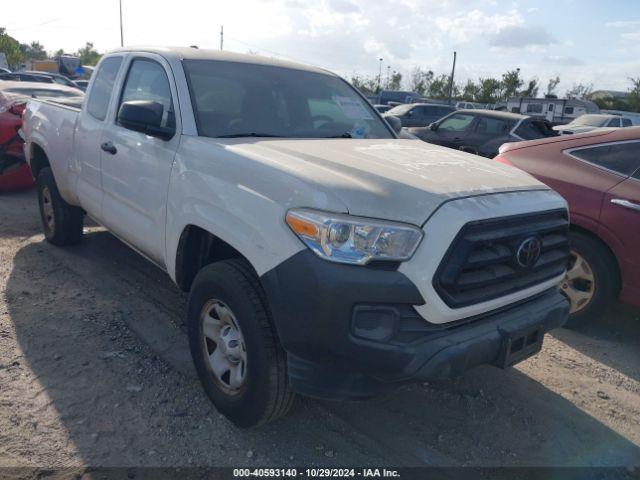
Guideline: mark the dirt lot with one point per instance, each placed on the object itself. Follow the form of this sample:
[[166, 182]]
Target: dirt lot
[[95, 370]]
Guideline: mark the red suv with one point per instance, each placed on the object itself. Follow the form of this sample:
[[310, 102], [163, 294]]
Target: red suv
[[598, 173]]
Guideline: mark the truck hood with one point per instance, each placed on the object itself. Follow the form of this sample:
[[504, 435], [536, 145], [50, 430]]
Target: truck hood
[[575, 128], [401, 180]]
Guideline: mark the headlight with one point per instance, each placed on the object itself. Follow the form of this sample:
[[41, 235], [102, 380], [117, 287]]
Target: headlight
[[354, 240]]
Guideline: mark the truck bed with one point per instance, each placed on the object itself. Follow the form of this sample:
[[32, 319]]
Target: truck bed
[[53, 121]]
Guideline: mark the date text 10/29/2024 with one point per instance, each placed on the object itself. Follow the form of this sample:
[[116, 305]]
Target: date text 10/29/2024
[[316, 472]]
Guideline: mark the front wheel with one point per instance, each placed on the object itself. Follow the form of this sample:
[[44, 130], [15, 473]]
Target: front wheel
[[62, 223], [591, 280], [234, 346]]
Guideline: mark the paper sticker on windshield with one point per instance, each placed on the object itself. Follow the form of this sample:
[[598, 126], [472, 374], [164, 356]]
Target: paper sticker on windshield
[[352, 108]]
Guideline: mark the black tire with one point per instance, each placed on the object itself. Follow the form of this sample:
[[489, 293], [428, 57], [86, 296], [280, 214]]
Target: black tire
[[62, 223], [265, 394], [603, 266]]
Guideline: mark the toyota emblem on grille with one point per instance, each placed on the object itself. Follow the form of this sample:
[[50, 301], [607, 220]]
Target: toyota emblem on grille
[[528, 252]]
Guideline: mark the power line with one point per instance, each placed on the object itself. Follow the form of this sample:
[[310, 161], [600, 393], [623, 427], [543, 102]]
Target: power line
[[272, 52]]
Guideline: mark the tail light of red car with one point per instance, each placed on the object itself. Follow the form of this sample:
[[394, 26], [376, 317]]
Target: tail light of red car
[[503, 160], [18, 108]]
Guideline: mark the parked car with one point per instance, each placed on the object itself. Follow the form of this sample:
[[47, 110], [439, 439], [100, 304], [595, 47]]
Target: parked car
[[293, 214], [587, 123], [25, 77], [598, 173], [382, 108], [14, 171], [472, 105], [387, 97], [82, 84], [634, 117], [4, 70], [420, 114], [55, 77], [482, 131]]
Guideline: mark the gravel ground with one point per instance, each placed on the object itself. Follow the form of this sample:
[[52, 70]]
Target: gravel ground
[[95, 371]]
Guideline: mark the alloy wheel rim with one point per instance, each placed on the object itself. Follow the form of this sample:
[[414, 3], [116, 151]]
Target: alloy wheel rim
[[224, 346], [47, 208], [579, 285]]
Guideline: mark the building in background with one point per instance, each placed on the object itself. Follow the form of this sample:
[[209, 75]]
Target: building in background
[[554, 110]]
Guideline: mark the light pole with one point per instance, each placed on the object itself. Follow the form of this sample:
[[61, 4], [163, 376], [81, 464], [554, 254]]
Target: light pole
[[453, 71], [121, 35], [379, 74], [388, 70]]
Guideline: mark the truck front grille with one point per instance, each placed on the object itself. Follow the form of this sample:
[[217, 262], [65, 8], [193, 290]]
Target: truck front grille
[[483, 263]]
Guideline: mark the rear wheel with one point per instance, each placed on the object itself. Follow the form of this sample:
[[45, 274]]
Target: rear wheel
[[591, 280], [62, 223], [234, 345]]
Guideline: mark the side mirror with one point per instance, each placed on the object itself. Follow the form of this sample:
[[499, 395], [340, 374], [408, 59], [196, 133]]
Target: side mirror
[[144, 116], [395, 122], [433, 126]]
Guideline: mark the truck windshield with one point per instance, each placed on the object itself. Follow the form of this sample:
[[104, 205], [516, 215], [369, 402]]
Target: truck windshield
[[233, 99], [400, 109], [590, 121]]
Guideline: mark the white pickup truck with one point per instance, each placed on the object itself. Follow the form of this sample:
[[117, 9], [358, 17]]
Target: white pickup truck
[[323, 254]]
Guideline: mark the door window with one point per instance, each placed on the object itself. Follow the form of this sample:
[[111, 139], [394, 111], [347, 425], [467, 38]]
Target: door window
[[492, 126], [626, 122], [532, 129], [614, 122], [415, 112], [622, 158], [148, 81], [456, 123], [98, 101]]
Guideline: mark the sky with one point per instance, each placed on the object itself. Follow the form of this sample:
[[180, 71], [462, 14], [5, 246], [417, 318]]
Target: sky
[[582, 41]]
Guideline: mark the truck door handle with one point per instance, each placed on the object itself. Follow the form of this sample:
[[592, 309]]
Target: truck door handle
[[626, 204], [109, 147]]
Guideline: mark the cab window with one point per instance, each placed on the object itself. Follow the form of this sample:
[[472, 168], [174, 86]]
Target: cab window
[[100, 94], [147, 80]]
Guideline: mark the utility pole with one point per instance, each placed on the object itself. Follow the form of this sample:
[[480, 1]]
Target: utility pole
[[221, 36], [121, 35], [388, 70], [379, 74], [453, 71]]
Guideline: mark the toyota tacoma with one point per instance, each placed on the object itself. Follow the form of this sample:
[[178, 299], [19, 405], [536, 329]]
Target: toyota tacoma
[[323, 254]]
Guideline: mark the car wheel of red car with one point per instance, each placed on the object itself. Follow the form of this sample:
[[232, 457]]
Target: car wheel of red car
[[62, 223], [591, 281]]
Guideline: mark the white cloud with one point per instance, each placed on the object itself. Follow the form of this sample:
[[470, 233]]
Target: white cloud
[[463, 28], [632, 36], [519, 36], [350, 35], [623, 24], [563, 60]]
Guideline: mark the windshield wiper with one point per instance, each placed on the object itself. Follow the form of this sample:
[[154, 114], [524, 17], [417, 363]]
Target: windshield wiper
[[342, 135], [248, 134]]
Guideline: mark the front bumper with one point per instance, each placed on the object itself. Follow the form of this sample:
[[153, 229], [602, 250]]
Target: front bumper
[[349, 331]]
